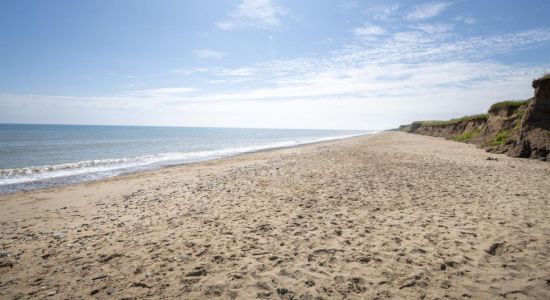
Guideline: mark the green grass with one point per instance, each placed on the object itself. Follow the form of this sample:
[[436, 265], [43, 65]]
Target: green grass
[[466, 136], [519, 117], [405, 128], [546, 76], [453, 121], [501, 138], [520, 113], [517, 125], [512, 103]]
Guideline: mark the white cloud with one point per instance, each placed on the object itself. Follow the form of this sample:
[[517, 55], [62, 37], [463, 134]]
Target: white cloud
[[466, 20], [209, 54], [427, 10], [254, 13], [382, 12], [368, 30], [434, 28], [349, 5], [161, 92], [469, 20], [239, 72]]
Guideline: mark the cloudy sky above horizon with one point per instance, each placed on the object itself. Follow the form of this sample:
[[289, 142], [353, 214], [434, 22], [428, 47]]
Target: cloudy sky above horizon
[[266, 63]]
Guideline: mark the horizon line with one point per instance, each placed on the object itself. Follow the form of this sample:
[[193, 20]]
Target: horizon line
[[184, 126]]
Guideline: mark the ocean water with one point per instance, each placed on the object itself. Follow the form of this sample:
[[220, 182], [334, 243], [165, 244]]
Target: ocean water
[[38, 156]]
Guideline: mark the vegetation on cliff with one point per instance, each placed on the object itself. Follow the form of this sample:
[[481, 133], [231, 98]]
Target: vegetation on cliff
[[453, 121], [501, 138], [467, 135], [511, 104]]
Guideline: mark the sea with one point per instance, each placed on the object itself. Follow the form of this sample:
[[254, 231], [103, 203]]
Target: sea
[[40, 156]]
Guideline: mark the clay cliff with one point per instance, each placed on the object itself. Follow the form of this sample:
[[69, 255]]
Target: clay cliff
[[534, 135], [516, 128]]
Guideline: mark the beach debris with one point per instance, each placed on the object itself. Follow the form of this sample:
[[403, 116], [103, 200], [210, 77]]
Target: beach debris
[[446, 264], [5, 262], [58, 235], [283, 291], [445, 284], [203, 251], [141, 285], [99, 276], [309, 283], [495, 249], [105, 258], [198, 272], [263, 285], [451, 264], [95, 291], [407, 284], [184, 258], [110, 290], [356, 285], [492, 158], [364, 259], [263, 227]]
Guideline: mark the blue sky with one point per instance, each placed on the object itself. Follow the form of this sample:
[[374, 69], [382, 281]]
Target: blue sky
[[266, 63]]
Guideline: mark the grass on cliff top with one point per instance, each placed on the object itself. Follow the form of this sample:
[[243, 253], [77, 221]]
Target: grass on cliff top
[[511, 103], [546, 76], [453, 121]]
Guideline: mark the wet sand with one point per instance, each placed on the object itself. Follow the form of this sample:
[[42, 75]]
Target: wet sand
[[391, 215]]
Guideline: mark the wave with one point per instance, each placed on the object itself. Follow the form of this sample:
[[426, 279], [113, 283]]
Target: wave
[[103, 168]]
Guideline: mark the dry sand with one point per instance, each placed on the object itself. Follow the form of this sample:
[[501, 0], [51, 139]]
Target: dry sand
[[392, 215]]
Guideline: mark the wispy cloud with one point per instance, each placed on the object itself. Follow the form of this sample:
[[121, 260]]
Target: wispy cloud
[[465, 19], [240, 72], [349, 5], [368, 30], [209, 54], [254, 13], [382, 12], [426, 10], [434, 28], [162, 92]]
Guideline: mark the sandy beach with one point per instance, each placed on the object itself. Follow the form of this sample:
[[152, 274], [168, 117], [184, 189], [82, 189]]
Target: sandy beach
[[390, 215]]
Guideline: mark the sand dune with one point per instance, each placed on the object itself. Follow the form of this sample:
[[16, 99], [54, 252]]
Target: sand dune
[[392, 215]]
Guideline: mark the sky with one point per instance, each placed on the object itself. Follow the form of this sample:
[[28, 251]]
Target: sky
[[266, 63]]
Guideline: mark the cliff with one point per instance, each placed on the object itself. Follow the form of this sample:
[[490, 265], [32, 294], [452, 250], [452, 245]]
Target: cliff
[[534, 136], [516, 128]]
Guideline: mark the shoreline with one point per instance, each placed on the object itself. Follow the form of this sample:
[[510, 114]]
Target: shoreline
[[388, 215], [157, 168]]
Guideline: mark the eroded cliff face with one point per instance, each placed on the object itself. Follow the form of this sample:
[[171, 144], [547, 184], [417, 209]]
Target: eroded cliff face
[[516, 128], [534, 136], [449, 130]]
